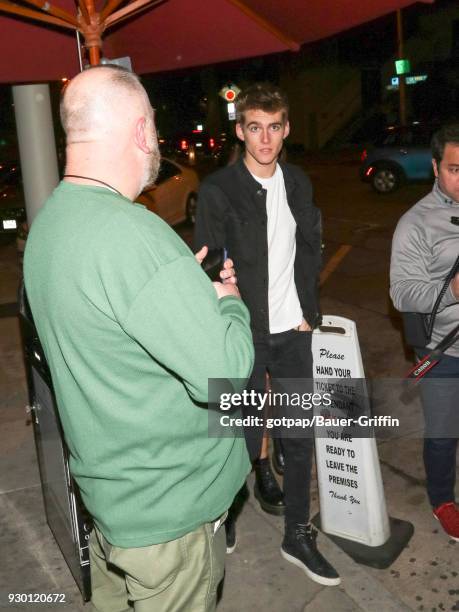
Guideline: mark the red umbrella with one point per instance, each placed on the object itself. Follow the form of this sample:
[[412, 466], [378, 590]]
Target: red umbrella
[[169, 34]]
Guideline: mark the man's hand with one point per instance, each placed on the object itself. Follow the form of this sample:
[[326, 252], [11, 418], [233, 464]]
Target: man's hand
[[200, 255], [304, 326], [224, 290], [228, 286], [228, 273], [455, 286]]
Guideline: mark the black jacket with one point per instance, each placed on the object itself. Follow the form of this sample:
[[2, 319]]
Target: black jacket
[[231, 213]]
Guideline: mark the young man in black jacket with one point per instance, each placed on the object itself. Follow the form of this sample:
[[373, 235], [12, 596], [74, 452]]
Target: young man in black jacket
[[261, 211]]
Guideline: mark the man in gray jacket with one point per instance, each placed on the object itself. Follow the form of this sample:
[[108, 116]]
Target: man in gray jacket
[[424, 249]]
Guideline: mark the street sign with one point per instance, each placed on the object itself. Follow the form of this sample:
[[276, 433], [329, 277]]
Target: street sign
[[229, 92], [352, 503], [231, 111], [402, 66], [413, 79], [416, 78]]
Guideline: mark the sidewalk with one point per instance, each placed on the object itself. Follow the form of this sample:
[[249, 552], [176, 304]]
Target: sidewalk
[[424, 577]]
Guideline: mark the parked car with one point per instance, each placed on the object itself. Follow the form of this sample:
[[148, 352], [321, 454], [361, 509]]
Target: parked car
[[12, 210], [174, 195], [400, 154]]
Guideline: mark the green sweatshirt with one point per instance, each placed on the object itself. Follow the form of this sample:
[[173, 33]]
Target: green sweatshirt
[[132, 329]]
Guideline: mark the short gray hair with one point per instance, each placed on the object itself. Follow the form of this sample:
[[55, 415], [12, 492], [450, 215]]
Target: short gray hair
[[78, 114]]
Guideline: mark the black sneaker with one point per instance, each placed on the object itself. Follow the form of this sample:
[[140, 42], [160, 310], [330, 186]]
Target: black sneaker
[[267, 489], [300, 548], [231, 539]]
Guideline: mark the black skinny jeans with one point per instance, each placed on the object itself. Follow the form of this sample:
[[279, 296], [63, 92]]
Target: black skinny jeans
[[286, 355], [440, 402]]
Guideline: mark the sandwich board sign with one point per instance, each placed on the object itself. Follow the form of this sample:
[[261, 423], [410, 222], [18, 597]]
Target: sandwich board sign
[[352, 503]]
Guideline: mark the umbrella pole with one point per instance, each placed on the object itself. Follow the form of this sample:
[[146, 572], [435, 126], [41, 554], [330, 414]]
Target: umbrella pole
[[92, 31], [94, 56]]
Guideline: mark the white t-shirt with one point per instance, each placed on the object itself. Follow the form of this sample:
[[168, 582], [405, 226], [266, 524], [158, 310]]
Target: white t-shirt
[[284, 306]]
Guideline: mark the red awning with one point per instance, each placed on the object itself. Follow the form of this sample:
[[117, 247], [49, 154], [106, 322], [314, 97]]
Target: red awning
[[182, 33]]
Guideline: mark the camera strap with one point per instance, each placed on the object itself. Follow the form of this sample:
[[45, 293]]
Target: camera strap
[[418, 327], [430, 360], [451, 274]]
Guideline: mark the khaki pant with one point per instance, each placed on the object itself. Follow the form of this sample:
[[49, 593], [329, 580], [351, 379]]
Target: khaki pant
[[177, 576]]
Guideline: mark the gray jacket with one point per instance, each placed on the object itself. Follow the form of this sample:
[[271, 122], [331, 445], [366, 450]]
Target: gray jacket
[[424, 248]]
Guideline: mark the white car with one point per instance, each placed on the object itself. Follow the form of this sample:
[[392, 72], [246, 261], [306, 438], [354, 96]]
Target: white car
[[174, 195]]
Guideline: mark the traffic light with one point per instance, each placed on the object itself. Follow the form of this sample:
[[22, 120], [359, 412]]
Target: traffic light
[[229, 92]]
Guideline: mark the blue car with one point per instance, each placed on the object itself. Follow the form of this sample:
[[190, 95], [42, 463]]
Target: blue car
[[401, 154]]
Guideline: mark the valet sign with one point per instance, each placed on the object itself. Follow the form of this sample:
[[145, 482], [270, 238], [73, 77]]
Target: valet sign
[[352, 503]]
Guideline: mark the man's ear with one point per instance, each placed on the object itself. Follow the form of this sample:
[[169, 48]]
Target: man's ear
[[435, 167], [240, 132], [141, 139], [286, 129]]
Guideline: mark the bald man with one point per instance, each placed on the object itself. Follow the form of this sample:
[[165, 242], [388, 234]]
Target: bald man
[[132, 330]]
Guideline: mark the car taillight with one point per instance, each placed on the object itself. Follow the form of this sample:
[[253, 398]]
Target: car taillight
[[369, 171], [183, 145], [364, 155], [211, 143]]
